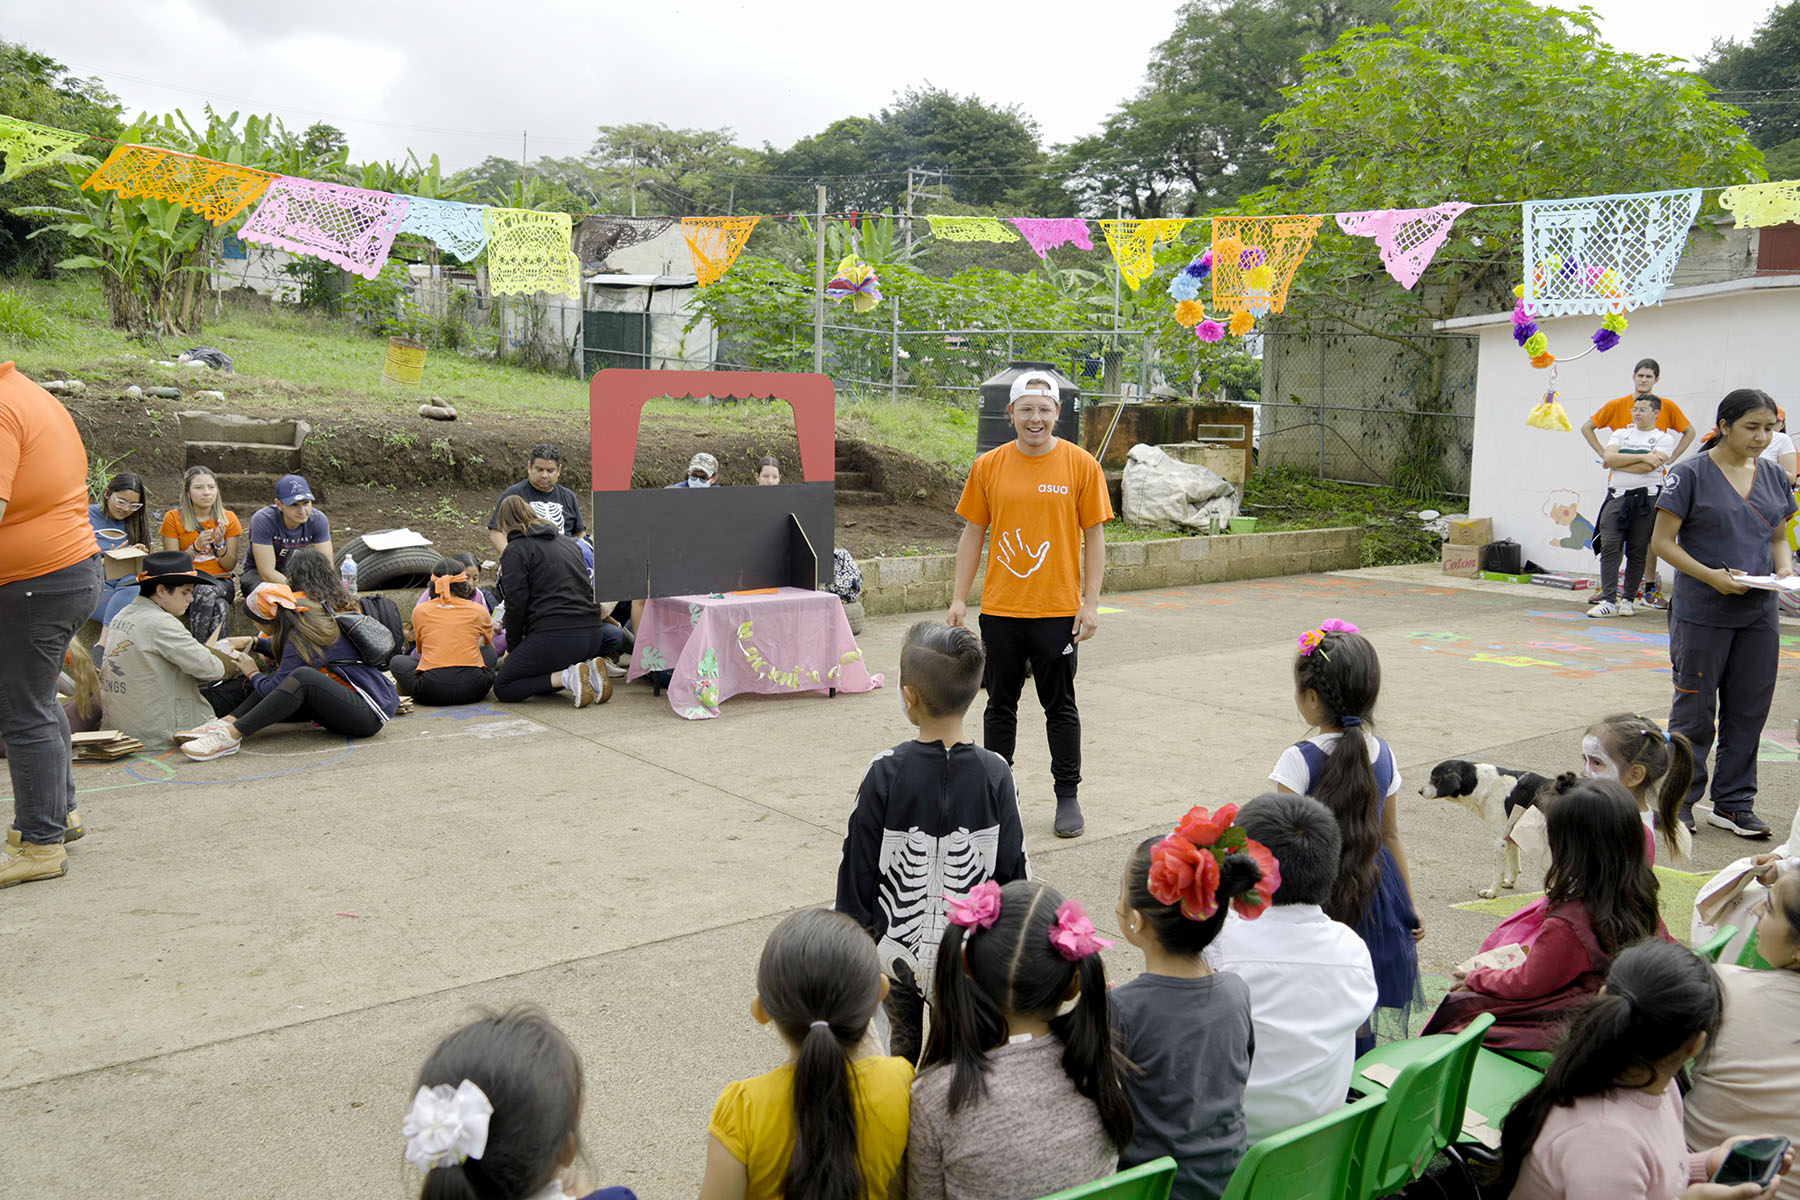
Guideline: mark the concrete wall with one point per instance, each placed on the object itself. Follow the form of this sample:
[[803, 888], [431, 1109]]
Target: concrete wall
[[1708, 339], [922, 583], [259, 269]]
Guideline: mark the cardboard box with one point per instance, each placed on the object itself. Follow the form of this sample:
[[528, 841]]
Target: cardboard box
[[1462, 560], [1471, 531], [1567, 583], [122, 563]]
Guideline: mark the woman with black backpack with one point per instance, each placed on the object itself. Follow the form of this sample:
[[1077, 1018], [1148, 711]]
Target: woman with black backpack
[[320, 675]]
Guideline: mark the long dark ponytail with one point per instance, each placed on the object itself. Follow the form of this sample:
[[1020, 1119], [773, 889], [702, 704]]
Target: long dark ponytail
[[820, 983], [1343, 670], [1634, 740], [1597, 856], [1732, 408], [1011, 967], [1658, 996]]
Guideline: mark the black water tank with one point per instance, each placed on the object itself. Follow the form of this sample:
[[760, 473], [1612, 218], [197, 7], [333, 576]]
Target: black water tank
[[995, 428]]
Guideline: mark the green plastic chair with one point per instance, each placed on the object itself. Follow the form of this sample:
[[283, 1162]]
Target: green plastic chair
[[1146, 1181], [1422, 1112], [1320, 1160], [1501, 1077], [1714, 946]]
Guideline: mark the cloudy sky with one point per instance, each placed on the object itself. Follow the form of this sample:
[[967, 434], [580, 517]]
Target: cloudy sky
[[464, 79]]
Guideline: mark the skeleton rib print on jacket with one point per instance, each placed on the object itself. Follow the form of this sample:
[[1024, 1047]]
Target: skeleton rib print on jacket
[[929, 823]]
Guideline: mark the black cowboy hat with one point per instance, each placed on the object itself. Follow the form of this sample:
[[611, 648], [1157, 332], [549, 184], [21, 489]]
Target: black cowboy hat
[[171, 568]]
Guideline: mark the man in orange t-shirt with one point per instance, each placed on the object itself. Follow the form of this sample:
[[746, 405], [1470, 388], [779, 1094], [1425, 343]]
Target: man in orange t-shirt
[[1616, 414], [49, 583], [1046, 501]]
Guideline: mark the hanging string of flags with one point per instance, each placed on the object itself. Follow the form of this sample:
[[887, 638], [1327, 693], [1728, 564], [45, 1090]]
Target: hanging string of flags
[[1605, 255]]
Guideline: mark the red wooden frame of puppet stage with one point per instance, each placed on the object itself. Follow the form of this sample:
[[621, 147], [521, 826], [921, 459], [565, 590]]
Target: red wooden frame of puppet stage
[[683, 541]]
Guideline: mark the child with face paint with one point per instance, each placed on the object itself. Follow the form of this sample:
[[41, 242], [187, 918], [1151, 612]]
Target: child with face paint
[[1634, 751]]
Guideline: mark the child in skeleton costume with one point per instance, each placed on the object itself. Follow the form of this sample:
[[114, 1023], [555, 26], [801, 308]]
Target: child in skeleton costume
[[934, 817]]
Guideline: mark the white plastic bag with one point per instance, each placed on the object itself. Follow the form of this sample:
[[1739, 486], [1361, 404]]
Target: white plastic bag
[[1161, 490]]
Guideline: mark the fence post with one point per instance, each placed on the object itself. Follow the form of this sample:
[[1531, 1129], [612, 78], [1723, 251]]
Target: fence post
[[894, 355], [1321, 406], [819, 290]]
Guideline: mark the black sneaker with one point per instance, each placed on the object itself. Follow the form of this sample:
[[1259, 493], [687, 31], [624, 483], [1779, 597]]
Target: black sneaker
[[1745, 824], [1068, 818], [1687, 818]]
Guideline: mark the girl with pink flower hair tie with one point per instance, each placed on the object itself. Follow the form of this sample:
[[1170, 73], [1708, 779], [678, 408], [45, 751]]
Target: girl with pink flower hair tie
[[1186, 1029], [1018, 1095], [1337, 679]]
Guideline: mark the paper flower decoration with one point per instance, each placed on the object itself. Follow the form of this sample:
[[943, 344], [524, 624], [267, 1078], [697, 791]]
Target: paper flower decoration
[[1259, 277], [1242, 323], [1605, 339], [1251, 256], [855, 281], [1229, 248], [1536, 344], [1190, 313], [1615, 322], [1184, 287], [977, 910], [1540, 361], [1209, 330]]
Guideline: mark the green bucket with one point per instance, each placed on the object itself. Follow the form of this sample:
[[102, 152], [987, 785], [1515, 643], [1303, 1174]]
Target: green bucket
[[1243, 525]]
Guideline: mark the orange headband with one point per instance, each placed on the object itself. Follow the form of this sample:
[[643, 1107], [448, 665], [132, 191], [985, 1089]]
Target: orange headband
[[441, 583], [270, 596]]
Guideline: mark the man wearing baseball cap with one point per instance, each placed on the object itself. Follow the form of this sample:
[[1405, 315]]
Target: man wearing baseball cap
[[702, 470], [279, 529], [1047, 504]]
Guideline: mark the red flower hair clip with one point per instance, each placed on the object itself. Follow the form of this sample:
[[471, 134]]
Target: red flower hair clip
[[977, 910], [1185, 866], [1073, 935]]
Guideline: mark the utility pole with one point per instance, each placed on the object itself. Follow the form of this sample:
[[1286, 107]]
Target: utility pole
[[819, 288], [524, 137], [634, 181], [909, 194], [731, 200]]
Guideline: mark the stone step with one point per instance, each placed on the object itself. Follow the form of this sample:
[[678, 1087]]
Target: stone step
[[855, 481], [864, 499], [245, 431], [244, 458]]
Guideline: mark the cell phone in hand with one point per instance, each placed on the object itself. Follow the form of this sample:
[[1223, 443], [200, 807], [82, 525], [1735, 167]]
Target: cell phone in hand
[[1755, 1161]]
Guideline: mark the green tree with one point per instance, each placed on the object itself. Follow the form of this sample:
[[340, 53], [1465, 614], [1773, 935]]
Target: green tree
[[1485, 101], [1194, 136], [323, 141], [678, 172], [1762, 77], [35, 87]]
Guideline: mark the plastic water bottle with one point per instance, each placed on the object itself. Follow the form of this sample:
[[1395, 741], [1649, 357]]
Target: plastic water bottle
[[347, 572]]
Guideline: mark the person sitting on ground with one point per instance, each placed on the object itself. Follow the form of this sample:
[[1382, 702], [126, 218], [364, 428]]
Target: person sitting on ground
[[318, 677], [768, 472], [121, 519], [703, 471], [279, 529], [454, 636], [203, 527], [1185, 1028], [550, 500], [949, 805], [1749, 1078], [1020, 1093], [1602, 898], [156, 679], [1311, 981], [497, 1113], [310, 574], [1606, 1120], [832, 1121], [471, 567], [554, 635]]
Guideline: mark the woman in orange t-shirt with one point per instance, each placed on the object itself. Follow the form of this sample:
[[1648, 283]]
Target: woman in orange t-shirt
[[209, 533], [453, 659]]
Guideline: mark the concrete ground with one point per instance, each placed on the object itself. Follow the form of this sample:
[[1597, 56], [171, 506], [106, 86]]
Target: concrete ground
[[230, 993]]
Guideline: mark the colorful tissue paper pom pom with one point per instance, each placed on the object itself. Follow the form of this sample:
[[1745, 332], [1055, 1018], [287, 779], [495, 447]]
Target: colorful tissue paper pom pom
[[1615, 322], [1228, 248], [1259, 278], [1540, 361], [1521, 314], [1209, 330], [1206, 258], [1537, 343], [1519, 291], [1252, 256], [1605, 339], [1242, 323], [1199, 267], [1524, 333], [1184, 287], [1190, 313]]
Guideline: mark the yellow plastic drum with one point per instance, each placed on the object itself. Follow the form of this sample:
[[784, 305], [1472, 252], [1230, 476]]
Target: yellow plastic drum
[[405, 361]]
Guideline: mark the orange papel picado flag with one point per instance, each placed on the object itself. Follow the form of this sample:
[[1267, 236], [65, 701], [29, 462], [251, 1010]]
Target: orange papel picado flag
[[217, 191], [715, 242]]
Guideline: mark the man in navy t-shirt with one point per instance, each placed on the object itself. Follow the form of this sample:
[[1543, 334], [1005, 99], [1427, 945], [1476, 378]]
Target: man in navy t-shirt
[[279, 529], [548, 498]]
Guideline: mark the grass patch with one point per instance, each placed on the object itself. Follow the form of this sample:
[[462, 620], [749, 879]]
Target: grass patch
[[22, 322], [1287, 498]]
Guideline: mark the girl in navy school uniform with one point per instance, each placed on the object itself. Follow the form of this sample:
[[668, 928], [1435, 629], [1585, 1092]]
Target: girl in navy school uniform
[[1337, 680], [1724, 513]]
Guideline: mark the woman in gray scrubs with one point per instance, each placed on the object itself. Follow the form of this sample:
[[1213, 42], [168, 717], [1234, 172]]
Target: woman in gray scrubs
[[1724, 513]]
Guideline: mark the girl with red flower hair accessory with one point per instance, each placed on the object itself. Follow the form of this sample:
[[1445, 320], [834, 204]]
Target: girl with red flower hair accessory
[[1186, 1027]]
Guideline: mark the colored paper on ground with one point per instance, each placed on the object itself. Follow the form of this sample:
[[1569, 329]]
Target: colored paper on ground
[[1406, 237], [715, 243], [28, 147], [528, 252], [344, 225], [1601, 254], [217, 191]]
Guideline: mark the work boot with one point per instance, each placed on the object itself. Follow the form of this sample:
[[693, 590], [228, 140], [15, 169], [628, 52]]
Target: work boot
[[73, 830], [27, 862], [1068, 818]]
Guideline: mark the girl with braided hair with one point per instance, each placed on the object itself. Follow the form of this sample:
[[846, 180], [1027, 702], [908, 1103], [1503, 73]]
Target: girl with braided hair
[[1337, 679]]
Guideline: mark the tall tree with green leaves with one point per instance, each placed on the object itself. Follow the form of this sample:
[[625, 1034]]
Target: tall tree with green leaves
[[676, 172], [35, 87], [1762, 77], [1194, 136], [1484, 101]]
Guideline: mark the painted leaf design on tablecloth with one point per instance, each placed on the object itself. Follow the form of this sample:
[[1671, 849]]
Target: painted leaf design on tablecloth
[[651, 659], [746, 630], [693, 613], [709, 665]]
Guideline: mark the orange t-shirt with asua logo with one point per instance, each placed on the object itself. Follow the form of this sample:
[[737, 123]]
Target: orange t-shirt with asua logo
[[43, 479], [1035, 508]]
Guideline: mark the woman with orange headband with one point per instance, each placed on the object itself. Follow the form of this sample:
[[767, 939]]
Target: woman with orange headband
[[453, 660]]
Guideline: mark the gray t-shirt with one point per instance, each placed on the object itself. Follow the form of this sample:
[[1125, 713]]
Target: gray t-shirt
[[1030, 1135], [1723, 529], [1189, 1043]]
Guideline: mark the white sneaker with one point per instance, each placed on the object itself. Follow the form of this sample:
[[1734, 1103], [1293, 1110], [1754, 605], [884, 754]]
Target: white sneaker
[[214, 743], [212, 726], [1625, 609], [1605, 608], [614, 669], [579, 683], [602, 679]]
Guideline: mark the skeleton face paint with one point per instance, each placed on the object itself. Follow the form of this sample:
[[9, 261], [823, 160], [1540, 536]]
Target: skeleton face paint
[[1595, 762]]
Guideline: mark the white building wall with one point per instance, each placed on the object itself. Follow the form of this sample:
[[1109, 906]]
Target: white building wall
[[1708, 341]]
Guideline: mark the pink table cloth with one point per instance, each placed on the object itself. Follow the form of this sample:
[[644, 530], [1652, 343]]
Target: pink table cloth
[[788, 640]]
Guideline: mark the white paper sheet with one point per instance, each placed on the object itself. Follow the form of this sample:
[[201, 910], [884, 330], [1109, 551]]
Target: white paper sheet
[[394, 539]]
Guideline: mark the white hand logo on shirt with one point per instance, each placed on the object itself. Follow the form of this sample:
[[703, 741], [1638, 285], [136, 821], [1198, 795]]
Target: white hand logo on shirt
[[1013, 545]]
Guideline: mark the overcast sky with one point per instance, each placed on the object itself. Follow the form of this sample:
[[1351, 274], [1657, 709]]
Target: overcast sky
[[464, 79]]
